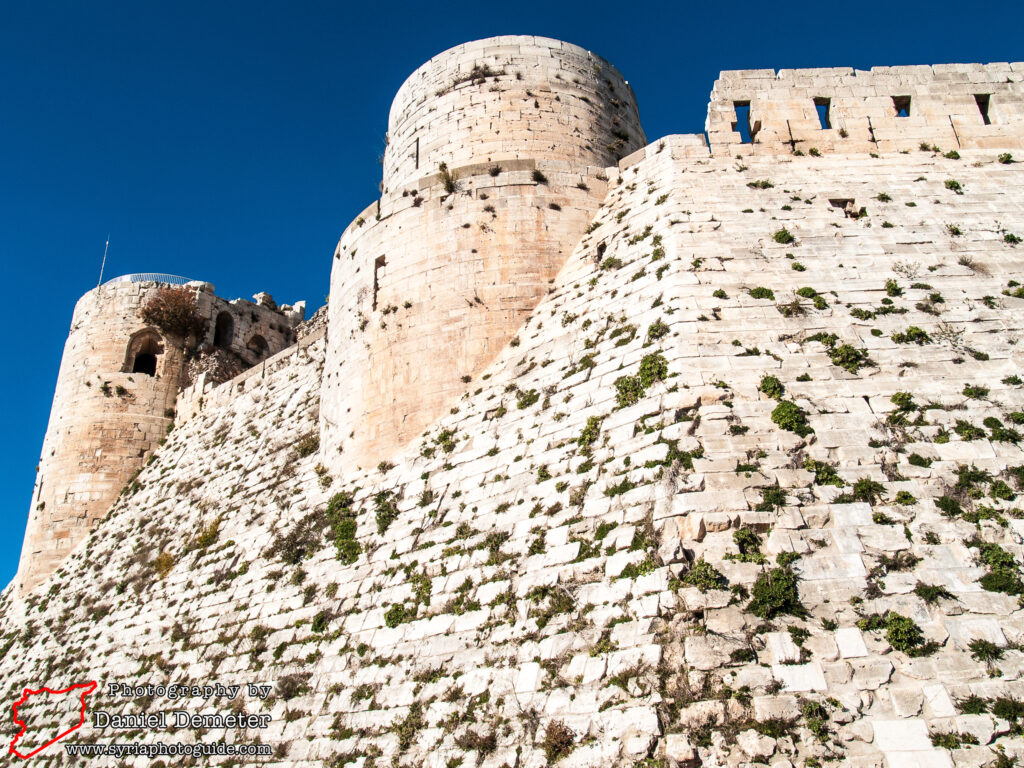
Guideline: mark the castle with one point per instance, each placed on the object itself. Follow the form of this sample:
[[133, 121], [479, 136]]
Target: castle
[[575, 394]]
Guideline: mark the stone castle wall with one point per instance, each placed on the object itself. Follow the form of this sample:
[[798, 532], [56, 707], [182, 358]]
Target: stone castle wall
[[107, 418], [535, 565], [954, 106], [430, 283]]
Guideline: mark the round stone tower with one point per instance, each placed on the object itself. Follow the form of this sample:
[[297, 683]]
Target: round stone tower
[[494, 169], [114, 400], [508, 98]]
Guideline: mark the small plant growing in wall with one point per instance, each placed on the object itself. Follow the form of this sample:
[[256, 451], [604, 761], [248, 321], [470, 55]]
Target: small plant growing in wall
[[558, 741], [342, 519], [791, 417], [783, 237], [386, 509], [448, 179], [772, 387]]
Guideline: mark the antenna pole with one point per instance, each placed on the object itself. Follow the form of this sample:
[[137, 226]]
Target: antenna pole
[[104, 262]]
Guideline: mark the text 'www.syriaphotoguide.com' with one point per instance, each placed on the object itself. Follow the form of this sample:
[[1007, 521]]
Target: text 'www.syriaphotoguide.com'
[[167, 750]]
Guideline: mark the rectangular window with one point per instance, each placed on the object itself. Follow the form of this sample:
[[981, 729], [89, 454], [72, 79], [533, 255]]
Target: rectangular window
[[822, 106], [902, 105], [417, 152], [981, 99], [742, 124]]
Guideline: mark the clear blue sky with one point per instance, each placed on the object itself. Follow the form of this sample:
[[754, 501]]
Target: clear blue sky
[[234, 141]]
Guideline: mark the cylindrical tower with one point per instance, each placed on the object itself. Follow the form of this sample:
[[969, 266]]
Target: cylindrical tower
[[495, 167], [508, 98], [113, 403]]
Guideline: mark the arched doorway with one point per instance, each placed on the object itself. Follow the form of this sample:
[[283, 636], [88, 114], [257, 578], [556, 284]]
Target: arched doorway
[[143, 350]]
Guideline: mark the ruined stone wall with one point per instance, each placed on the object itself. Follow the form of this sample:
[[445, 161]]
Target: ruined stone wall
[[507, 98], [950, 105], [431, 282], [106, 419]]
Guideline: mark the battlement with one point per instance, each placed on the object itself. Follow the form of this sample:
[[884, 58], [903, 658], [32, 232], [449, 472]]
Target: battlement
[[884, 109]]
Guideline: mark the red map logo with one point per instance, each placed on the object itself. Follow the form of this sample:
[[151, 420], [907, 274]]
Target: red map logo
[[85, 688]]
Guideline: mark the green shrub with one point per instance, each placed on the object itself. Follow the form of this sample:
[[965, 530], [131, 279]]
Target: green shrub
[[704, 576], [968, 431], [902, 633], [747, 540], [342, 519], [783, 236], [1005, 158], [867, 490], [762, 293], [850, 358], [905, 498], [892, 288], [904, 401], [652, 368], [913, 335], [824, 473], [386, 509], [975, 392], [628, 391], [918, 460], [772, 387], [395, 615], [307, 445], [791, 417], [775, 592], [932, 593], [1009, 709], [985, 651], [590, 433], [525, 399], [949, 506], [656, 330], [954, 186], [771, 499]]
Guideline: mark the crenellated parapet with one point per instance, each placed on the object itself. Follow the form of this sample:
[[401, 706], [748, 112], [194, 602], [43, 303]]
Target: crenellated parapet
[[884, 109]]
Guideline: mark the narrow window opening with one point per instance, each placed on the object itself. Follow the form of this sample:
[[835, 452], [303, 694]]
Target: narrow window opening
[[902, 105], [378, 264], [822, 106], [981, 99], [417, 152], [742, 124], [224, 330]]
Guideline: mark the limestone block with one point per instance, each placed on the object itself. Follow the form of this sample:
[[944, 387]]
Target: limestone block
[[800, 677], [850, 642]]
